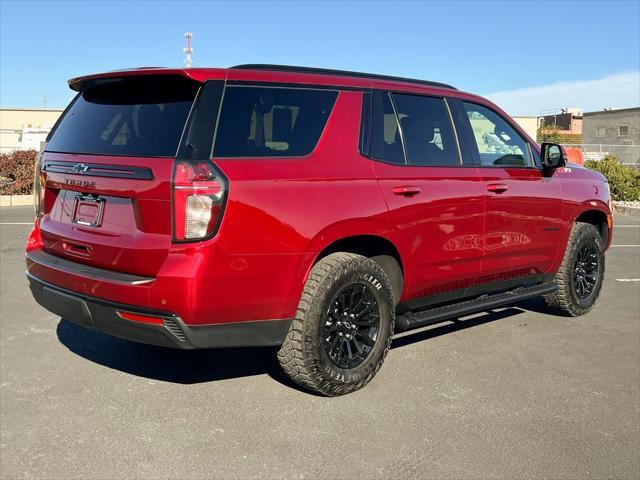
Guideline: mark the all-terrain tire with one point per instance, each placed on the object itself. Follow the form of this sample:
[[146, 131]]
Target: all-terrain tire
[[302, 355], [566, 300]]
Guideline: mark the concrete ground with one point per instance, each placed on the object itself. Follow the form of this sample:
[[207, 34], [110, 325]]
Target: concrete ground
[[518, 393]]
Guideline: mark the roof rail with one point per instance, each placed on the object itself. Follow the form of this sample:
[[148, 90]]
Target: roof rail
[[342, 73]]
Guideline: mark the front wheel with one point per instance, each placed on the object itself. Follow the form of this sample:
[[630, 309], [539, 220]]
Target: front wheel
[[342, 330], [580, 276]]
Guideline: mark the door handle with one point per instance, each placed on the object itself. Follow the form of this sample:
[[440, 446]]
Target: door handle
[[497, 187], [406, 190]]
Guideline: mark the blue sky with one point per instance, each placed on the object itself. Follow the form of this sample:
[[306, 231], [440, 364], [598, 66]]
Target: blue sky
[[528, 56]]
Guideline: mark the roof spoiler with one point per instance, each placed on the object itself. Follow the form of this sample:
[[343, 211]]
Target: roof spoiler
[[80, 83]]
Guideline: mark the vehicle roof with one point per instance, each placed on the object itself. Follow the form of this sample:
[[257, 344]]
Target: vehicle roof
[[338, 73], [273, 73]]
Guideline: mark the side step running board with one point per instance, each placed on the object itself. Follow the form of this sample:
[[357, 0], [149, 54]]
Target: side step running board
[[410, 320]]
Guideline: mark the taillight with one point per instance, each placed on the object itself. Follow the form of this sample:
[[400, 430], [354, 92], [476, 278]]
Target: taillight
[[38, 186], [198, 199]]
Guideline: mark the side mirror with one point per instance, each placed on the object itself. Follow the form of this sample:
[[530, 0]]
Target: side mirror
[[553, 156]]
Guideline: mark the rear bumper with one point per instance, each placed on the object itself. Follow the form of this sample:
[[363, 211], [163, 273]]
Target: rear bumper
[[201, 283], [170, 331]]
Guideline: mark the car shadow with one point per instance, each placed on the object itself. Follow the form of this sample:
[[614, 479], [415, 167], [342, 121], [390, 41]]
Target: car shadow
[[201, 366], [161, 363], [537, 305]]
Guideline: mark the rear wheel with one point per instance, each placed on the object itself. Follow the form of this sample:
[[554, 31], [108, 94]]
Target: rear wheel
[[342, 330], [580, 276]]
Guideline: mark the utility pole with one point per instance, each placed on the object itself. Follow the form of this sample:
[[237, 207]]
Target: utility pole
[[188, 50], [44, 101]]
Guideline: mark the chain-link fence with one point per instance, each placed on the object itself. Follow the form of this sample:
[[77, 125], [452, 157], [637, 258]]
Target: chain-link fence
[[627, 154]]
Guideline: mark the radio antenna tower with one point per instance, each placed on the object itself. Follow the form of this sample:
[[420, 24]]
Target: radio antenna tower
[[188, 50]]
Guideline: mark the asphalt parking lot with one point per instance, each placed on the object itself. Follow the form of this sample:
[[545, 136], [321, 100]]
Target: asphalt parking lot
[[514, 393]]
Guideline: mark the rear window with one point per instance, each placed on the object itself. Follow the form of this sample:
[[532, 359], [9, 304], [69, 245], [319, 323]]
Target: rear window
[[135, 116], [271, 122]]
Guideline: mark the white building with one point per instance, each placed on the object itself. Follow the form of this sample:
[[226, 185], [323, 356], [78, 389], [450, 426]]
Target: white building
[[529, 124], [25, 128]]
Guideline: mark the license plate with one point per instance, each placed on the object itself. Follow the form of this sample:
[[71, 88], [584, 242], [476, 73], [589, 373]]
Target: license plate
[[88, 210]]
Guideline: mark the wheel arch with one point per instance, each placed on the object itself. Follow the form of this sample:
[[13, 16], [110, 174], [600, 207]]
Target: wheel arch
[[598, 219], [374, 240], [379, 249]]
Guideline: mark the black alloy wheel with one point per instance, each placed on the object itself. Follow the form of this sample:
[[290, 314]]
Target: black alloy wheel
[[351, 326], [586, 271]]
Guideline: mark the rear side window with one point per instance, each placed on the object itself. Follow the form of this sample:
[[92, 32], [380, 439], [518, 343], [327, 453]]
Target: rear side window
[[271, 122], [134, 116], [428, 136]]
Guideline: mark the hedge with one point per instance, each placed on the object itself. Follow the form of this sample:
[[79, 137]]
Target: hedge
[[624, 180], [554, 136], [16, 172]]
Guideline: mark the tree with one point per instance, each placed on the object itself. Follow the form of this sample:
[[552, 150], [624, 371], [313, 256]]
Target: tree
[[549, 134]]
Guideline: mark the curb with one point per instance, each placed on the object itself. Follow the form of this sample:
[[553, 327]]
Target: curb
[[16, 200], [626, 209]]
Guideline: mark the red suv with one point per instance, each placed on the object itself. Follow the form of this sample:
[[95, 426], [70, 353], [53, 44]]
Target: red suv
[[319, 211]]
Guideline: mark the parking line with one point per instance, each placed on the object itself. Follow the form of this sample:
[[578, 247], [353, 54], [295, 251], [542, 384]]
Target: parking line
[[625, 246], [626, 226], [16, 223], [628, 279]]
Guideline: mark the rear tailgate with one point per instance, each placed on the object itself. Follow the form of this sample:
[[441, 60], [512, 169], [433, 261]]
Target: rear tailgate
[[121, 224], [106, 173]]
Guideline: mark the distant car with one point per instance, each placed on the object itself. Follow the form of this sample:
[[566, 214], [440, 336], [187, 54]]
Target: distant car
[[318, 211]]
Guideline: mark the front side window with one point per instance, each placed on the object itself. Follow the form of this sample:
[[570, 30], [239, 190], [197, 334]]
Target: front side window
[[271, 122], [623, 130], [428, 136], [498, 142]]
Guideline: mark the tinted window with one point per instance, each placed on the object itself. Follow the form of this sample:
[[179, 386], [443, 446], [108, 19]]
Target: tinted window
[[267, 122], [364, 144], [498, 143], [141, 116], [385, 135], [426, 130]]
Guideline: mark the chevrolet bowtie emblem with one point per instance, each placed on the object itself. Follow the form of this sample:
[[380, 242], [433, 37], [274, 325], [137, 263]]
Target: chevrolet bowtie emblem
[[80, 168]]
